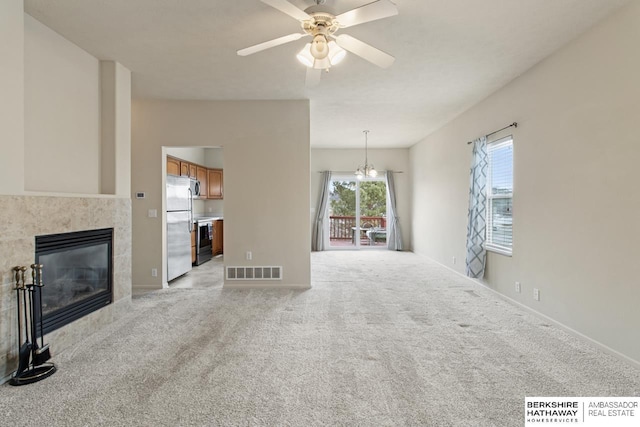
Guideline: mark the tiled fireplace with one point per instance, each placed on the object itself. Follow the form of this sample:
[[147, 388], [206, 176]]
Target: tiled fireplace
[[22, 218]]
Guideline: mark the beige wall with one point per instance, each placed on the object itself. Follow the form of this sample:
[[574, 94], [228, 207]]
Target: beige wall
[[12, 98], [341, 160], [266, 181], [123, 131], [115, 125], [62, 113], [576, 202]]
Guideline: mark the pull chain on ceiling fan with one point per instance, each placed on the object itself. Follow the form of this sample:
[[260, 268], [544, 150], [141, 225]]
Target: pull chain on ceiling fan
[[327, 49]]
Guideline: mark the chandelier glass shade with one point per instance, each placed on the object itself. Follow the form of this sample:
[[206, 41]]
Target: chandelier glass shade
[[367, 170]]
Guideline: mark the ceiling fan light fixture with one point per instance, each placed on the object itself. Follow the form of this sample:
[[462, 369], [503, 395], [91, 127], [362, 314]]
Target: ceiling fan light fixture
[[326, 49], [305, 57], [319, 47], [322, 64], [336, 53]]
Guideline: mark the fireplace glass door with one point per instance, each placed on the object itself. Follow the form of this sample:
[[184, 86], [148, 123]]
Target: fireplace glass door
[[77, 275]]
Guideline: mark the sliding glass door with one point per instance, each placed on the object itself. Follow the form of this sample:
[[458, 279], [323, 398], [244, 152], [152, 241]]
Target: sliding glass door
[[356, 213]]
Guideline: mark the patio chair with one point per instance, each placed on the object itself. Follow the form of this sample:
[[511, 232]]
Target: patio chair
[[366, 227], [374, 232]]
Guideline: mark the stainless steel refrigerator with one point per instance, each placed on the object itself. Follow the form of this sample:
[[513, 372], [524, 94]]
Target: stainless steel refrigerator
[[179, 225]]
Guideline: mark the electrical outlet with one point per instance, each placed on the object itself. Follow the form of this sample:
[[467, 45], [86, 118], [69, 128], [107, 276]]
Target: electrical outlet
[[154, 272], [536, 294], [454, 260], [249, 255], [153, 213], [518, 287]]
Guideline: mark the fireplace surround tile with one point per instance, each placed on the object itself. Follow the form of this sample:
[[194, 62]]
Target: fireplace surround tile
[[24, 217]]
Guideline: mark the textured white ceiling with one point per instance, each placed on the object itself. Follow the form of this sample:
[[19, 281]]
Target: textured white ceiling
[[450, 54]]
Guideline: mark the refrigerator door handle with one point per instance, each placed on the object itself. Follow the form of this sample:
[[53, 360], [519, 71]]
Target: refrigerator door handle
[[190, 210]]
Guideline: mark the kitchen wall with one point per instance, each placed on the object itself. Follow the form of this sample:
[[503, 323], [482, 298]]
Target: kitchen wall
[[576, 202], [190, 154], [266, 181], [343, 160]]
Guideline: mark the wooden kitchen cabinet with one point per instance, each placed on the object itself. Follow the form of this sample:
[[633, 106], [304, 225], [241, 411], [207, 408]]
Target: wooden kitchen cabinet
[[184, 168], [215, 184], [173, 166], [193, 244], [211, 185], [202, 177], [218, 238]]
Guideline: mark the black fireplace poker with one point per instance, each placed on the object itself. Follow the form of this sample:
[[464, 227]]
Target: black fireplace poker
[[32, 360]]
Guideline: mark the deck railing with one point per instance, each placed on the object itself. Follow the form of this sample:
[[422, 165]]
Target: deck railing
[[341, 227]]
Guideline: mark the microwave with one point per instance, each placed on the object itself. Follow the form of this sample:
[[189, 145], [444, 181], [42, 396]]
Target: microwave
[[195, 188]]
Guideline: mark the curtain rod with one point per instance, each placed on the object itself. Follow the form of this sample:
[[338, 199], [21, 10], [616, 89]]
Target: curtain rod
[[514, 124], [353, 173]]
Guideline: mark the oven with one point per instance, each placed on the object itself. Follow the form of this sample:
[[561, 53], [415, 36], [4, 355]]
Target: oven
[[204, 240]]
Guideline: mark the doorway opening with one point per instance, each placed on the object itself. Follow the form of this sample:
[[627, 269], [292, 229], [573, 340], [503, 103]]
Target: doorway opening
[[200, 236], [356, 214]]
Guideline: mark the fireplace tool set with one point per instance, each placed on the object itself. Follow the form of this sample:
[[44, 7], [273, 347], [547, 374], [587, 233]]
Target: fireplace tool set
[[32, 359]]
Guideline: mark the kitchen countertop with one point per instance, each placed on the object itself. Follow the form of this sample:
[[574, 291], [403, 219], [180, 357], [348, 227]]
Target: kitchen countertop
[[207, 218]]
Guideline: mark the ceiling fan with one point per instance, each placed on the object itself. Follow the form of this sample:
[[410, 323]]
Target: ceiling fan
[[326, 48]]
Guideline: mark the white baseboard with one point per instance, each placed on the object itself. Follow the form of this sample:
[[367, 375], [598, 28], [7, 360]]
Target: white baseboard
[[580, 335], [147, 288]]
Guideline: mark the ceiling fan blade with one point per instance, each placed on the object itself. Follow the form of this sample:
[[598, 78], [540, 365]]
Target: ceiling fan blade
[[368, 52], [271, 43], [313, 77], [285, 7], [369, 12]]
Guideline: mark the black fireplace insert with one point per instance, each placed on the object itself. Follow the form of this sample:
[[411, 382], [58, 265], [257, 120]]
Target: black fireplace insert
[[77, 275]]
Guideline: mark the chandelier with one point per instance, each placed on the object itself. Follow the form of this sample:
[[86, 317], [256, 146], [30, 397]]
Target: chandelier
[[366, 171]]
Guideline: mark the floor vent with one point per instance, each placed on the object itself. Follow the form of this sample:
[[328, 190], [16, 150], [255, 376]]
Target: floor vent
[[254, 273]]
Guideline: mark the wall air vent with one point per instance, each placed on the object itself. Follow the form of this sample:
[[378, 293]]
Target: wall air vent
[[254, 273]]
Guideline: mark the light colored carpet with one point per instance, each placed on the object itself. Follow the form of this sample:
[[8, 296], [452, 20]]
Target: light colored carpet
[[382, 339]]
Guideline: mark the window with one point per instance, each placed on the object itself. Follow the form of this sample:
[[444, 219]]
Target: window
[[356, 213], [499, 196]]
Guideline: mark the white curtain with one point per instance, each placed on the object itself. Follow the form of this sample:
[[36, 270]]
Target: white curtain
[[476, 227], [317, 239], [394, 235]]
